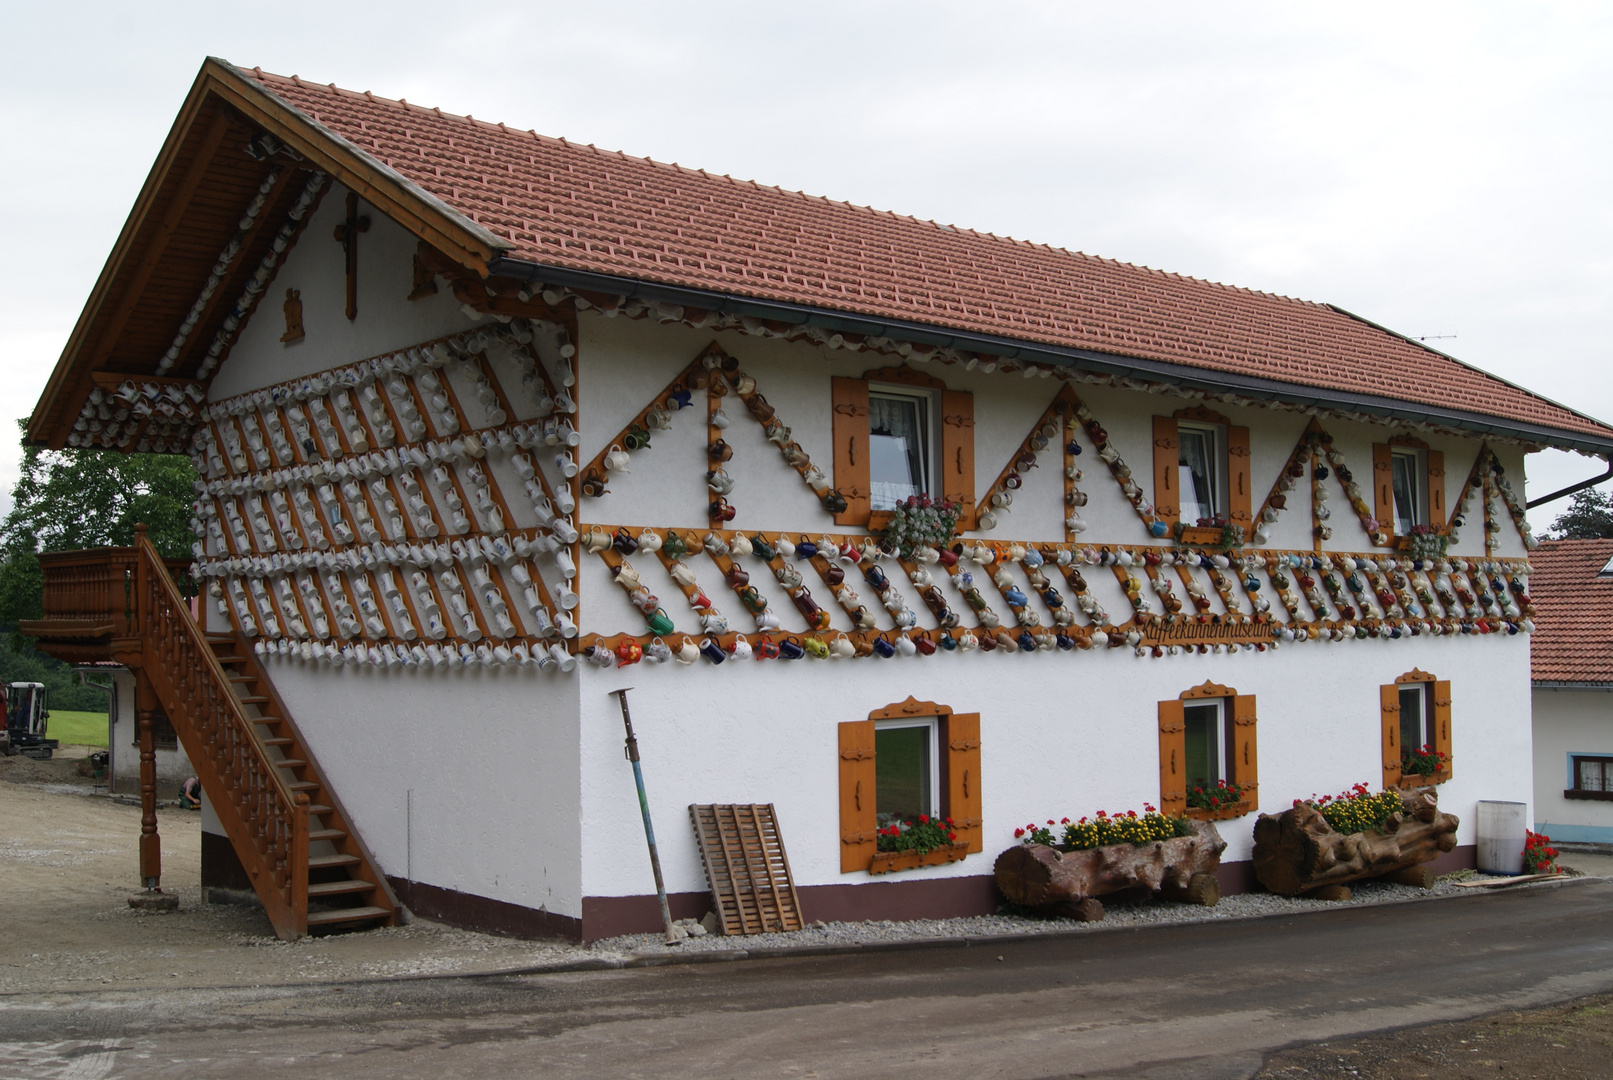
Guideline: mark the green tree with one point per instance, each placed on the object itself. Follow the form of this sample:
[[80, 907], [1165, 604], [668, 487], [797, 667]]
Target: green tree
[[1589, 517], [68, 499]]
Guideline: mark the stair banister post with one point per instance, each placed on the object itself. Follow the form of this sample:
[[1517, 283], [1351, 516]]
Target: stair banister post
[[299, 862], [145, 705], [140, 599]]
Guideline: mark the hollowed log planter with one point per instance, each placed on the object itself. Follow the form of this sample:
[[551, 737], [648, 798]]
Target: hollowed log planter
[[1051, 881], [884, 862], [1298, 852]]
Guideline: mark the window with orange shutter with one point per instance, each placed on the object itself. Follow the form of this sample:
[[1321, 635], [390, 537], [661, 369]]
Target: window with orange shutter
[[1207, 748], [908, 758], [898, 433]]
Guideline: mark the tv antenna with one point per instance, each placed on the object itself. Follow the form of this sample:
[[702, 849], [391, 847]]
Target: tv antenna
[[1436, 337]]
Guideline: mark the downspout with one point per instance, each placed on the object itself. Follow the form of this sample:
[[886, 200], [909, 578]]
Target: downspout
[[1581, 486]]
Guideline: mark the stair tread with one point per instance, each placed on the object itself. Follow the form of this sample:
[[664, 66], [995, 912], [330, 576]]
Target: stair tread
[[319, 808], [303, 785], [338, 888], [291, 763], [344, 915], [327, 862], [278, 740], [326, 834], [253, 699]]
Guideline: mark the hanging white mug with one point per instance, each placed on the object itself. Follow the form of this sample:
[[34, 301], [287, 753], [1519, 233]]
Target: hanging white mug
[[566, 464], [616, 459], [719, 419], [657, 652], [842, 647], [740, 649]]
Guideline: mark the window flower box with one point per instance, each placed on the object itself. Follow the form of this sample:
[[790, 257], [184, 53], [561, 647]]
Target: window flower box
[[886, 862], [1412, 781], [1197, 535], [1221, 813]]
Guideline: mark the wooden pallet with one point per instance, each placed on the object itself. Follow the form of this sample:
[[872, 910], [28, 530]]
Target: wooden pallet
[[749, 874]]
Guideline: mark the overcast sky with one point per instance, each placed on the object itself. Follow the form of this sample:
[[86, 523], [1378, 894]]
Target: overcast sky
[[1441, 169]]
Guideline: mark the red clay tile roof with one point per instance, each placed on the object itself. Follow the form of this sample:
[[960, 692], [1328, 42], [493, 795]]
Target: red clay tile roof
[[1573, 638], [577, 207]]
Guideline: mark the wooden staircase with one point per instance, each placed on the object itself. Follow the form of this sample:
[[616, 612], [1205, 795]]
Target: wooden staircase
[[298, 846], [344, 887]]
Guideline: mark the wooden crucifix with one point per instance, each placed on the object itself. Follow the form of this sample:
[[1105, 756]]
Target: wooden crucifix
[[347, 235]]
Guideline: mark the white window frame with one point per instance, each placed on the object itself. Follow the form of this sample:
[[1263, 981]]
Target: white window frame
[[928, 448], [1222, 756], [1418, 461], [933, 725], [1216, 442], [1424, 719]]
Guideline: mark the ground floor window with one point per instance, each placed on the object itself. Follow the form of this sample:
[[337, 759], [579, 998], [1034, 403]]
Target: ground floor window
[[1208, 749], [906, 780], [163, 736], [1415, 713], [904, 760], [1592, 777], [1208, 757], [1415, 720]]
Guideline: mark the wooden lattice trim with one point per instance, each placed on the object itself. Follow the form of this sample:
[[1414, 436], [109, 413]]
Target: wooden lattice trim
[[747, 870]]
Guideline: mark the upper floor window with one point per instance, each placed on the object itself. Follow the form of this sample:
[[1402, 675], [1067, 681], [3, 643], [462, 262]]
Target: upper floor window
[[1408, 485], [1201, 453], [1408, 477], [899, 433], [1201, 470], [899, 446]]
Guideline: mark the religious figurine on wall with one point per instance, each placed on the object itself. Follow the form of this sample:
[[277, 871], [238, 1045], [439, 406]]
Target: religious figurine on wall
[[293, 310]]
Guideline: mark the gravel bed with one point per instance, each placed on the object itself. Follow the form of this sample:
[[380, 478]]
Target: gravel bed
[[840, 934]]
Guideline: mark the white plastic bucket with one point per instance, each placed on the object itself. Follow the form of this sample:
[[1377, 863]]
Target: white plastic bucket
[[1502, 828]]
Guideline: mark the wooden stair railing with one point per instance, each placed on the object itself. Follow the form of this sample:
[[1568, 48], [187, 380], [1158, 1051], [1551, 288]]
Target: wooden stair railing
[[299, 849]]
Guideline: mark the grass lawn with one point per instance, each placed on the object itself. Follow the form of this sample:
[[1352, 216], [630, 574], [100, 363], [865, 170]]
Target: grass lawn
[[77, 728]]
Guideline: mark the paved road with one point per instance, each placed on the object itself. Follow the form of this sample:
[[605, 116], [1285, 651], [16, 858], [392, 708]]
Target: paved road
[[1203, 1001]]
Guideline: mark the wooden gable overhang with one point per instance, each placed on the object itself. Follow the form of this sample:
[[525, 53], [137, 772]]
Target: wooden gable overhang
[[238, 176]]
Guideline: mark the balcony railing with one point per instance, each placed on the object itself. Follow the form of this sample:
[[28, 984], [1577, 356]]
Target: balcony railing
[[89, 601]]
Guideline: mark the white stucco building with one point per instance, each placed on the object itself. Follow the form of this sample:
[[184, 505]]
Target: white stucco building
[[477, 388], [1573, 691]]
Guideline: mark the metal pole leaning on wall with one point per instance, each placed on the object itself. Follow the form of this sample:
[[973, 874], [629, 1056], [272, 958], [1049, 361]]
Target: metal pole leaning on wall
[[672, 935]]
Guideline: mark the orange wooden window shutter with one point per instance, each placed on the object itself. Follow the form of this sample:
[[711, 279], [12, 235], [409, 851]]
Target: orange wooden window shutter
[[1389, 711], [1167, 466], [1245, 748], [858, 822], [1383, 486], [1240, 500], [1442, 722], [1436, 489], [1172, 759], [963, 779], [958, 453], [849, 398]]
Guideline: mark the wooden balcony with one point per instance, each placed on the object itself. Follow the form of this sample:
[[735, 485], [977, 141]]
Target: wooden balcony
[[89, 602]]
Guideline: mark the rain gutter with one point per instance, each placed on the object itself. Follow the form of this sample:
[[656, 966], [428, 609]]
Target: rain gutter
[[1126, 367]]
